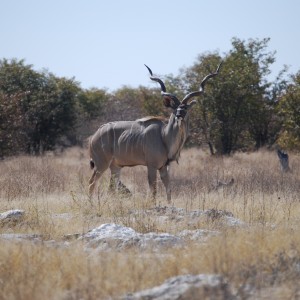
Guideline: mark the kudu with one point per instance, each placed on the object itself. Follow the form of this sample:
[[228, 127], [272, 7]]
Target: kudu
[[149, 141]]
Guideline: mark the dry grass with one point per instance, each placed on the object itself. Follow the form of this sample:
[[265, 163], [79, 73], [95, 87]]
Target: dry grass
[[263, 257]]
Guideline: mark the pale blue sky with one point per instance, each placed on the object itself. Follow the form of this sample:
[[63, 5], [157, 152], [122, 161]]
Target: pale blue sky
[[105, 44]]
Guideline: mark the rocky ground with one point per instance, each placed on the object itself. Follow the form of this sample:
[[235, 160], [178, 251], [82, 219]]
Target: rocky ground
[[112, 236]]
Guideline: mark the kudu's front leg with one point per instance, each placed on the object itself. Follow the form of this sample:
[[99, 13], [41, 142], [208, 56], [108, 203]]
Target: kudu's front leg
[[164, 175], [152, 172]]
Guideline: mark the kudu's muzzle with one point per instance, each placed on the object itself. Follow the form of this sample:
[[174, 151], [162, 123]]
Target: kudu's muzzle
[[180, 112]]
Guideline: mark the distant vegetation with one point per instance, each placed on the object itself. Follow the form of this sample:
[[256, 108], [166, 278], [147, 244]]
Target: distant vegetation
[[241, 109]]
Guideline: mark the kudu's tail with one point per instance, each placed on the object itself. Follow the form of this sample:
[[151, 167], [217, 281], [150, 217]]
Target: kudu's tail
[[92, 164]]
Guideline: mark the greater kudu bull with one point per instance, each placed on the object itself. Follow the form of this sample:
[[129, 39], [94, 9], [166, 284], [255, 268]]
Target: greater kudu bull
[[149, 141]]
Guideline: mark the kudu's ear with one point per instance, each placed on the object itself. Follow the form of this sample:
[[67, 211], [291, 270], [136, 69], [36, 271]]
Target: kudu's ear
[[170, 102]]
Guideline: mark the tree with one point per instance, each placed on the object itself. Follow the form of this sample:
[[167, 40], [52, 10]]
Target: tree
[[289, 111], [236, 109], [152, 103], [92, 102], [44, 112], [52, 112], [11, 122], [127, 104]]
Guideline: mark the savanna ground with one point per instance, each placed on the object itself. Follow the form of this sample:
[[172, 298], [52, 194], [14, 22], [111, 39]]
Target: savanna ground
[[260, 260]]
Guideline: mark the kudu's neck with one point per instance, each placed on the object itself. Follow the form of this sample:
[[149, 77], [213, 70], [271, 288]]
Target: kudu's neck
[[174, 136]]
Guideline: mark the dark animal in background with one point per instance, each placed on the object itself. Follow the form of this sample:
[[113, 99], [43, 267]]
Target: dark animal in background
[[284, 160]]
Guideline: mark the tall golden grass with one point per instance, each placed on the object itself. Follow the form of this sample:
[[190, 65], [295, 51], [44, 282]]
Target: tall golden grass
[[260, 260]]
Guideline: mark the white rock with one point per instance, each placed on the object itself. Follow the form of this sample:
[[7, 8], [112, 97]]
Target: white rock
[[166, 214], [231, 221], [190, 287], [155, 240], [110, 230], [198, 234], [19, 236], [12, 215], [109, 236]]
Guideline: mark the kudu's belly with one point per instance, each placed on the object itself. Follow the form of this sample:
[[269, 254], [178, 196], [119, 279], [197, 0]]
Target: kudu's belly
[[138, 146], [129, 153]]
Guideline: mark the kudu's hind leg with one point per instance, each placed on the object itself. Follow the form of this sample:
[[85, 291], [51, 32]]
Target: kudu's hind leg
[[164, 175], [115, 182]]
